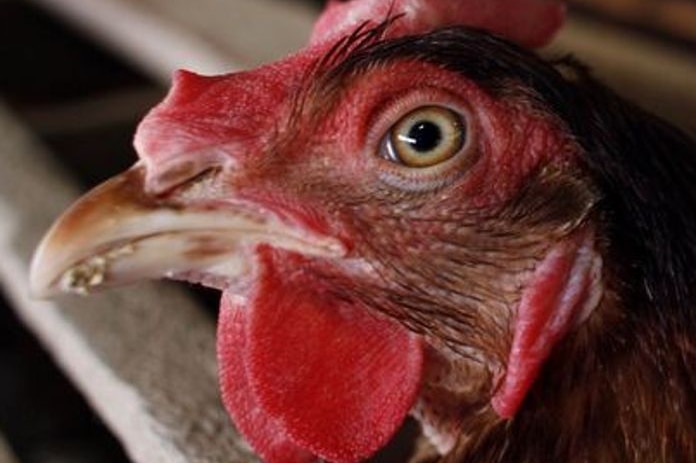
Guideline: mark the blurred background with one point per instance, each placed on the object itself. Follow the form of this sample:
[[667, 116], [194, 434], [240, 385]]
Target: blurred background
[[77, 75]]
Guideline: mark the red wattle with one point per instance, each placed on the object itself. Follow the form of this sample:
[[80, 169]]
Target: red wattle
[[261, 431], [340, 379]]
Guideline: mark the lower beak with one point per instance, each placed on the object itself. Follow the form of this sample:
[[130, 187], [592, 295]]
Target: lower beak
[[117, 234]]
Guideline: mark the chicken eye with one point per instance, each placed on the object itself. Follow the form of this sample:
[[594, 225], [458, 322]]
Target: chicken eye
[[425, 137]]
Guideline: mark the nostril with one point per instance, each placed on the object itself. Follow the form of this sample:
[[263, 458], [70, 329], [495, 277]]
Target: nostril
[[162, 179], [173, 175]]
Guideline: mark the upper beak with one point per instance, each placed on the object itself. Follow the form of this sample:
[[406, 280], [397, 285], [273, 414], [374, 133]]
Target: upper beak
[[117, 234]]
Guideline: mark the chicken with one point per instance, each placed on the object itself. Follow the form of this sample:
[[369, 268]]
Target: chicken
[[416, 216]]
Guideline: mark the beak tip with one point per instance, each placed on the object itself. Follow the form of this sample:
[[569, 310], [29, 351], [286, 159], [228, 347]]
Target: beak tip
[[40, 286], [46, 274], [47, 281]]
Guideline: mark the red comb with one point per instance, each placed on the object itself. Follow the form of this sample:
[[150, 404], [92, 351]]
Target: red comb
[[531, 23]]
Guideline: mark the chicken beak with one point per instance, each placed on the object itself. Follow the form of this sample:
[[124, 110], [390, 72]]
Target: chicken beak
[[118, 234]]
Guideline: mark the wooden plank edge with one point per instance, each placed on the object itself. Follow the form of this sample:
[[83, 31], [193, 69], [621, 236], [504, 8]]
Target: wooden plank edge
[[653, 74], [671, 17], [149, 40], [6, 453], [617, 50], [91, 112]]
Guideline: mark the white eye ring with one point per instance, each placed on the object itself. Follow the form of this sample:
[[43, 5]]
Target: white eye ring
[[425, 137], [447, 150]]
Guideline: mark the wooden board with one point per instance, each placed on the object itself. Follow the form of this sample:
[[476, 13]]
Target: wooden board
[[144, 357], [209, 36], [660, 78], [672, 17]]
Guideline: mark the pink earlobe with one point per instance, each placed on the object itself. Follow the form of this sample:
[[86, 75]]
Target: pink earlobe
[[562, 293], [531, 23]]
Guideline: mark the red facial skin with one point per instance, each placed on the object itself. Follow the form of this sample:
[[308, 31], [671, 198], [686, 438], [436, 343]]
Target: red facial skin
[[217, 119], [236, 120]]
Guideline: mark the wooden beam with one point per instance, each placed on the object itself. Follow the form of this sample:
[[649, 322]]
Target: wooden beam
[[658, 77], [676, 18], [144, 357], [209, 36], [92, 112]]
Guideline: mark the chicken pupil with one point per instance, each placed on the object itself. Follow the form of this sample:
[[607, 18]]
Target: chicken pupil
[[424, 136]]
